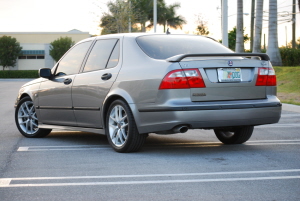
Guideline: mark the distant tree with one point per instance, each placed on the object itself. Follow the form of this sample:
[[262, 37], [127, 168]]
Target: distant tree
[[202, 28], [232, 38], [167, 17], [60, 46], [239, 43], [117, 19], [289, 45], [9, 51]]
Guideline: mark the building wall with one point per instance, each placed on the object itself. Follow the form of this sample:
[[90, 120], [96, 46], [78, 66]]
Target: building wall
[[40, 41]]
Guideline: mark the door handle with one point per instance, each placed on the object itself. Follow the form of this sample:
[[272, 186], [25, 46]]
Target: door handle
[[106, 76], [67, 81]]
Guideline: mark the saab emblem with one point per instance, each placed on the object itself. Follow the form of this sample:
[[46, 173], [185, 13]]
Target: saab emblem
[[230, 63]]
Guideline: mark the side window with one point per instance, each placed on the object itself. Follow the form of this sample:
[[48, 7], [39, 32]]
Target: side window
[[71, 63], [114, 58], [100, 55]]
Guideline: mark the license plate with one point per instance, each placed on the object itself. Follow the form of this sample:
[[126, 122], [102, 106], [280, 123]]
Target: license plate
[[229, 75]]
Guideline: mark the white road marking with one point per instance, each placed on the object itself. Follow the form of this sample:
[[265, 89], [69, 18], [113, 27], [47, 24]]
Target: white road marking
[[152, 182], [278, 125], [179, 144], [4, 182], [155, 175]]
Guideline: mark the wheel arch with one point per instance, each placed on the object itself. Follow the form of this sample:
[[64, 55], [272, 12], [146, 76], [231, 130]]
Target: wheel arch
[[111, 97]]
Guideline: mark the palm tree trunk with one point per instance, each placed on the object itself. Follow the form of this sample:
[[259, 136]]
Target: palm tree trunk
[[239, 43], [273, 50], [258, 26]]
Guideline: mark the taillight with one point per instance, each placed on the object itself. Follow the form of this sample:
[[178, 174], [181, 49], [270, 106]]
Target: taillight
[[266, 77], [182, 79]]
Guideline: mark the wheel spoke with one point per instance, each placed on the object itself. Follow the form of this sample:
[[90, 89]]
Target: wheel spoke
[[22, 108], [120, 135], [123, 118], [27, 125], [112, 118], [27, 108], [123, 126], [33, 123]]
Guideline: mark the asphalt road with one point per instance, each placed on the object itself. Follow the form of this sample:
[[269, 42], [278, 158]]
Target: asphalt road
[[190, 166]]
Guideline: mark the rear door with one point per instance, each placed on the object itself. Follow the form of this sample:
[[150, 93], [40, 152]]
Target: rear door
[[227, 79], [94, 82]]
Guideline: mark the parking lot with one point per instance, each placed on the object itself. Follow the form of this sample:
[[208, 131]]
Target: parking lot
[[69, 165]]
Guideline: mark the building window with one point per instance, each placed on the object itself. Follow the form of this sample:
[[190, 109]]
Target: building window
[[32, 54], [31, 57]]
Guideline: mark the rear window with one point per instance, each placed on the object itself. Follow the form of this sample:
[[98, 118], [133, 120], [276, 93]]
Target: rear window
[[165, 46]]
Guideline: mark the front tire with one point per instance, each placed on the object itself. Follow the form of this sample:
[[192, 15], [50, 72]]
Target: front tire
[[236, 135], [121, 129], [27, 121]]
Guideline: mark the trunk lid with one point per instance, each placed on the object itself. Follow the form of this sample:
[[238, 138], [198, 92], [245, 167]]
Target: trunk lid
[[240, 85]]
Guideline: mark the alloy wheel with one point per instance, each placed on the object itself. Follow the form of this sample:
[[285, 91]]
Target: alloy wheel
[[27, 118], [118, 125]]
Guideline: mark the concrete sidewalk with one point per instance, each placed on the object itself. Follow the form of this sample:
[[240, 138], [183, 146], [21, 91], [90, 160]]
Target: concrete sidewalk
[[290, 107]]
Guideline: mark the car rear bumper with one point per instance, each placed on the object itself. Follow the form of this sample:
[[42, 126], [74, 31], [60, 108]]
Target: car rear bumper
[[150, 119]]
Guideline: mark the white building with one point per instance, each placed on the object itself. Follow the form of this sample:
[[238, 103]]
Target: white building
[[36, 45]]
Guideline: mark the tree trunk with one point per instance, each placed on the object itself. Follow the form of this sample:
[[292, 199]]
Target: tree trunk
[[273, 50], [258, 26], [239, 43], [143, 26]]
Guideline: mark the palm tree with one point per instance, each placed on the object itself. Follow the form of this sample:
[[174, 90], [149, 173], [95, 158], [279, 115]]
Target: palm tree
[[166, 16], [239, 45], [273, 50], [258, 26]]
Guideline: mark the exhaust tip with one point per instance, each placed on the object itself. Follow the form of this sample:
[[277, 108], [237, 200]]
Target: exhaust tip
[[180, 129]]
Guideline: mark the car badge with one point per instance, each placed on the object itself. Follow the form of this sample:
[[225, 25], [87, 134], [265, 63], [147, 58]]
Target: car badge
[[263, 63], [230, 63]]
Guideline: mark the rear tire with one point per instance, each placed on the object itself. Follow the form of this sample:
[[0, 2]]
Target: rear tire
[[121, 130], [236, 135], [27, 121]]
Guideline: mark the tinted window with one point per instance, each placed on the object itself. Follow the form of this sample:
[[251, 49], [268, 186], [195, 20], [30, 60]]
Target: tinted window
[[71, 63], [165, 46], [100, 55]]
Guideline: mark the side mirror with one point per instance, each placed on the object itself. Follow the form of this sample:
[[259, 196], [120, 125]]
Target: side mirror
[[45, 73]]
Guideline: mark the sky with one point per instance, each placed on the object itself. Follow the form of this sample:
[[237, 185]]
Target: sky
[[84, 15]]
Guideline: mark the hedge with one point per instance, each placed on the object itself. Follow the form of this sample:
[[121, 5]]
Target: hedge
[[290, 57], [19, 74]]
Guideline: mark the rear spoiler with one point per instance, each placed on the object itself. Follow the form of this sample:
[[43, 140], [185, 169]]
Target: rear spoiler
[[179, 57]]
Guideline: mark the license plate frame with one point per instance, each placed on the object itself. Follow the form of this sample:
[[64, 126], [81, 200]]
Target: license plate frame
[[229, 74]]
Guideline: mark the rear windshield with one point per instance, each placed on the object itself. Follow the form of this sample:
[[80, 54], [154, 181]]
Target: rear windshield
[[165, 46]]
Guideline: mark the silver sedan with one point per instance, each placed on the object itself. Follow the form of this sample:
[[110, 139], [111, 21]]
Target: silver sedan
[[129, 85]]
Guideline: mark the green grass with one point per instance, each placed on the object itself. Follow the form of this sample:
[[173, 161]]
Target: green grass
[[288, 84]]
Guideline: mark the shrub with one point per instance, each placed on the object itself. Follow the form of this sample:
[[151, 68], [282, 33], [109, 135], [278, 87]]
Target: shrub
[[19, 74], [290, 57]]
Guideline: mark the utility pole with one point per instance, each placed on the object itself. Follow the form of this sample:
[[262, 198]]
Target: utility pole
[[154, 15], [252, 24], [130, 12], [294, 25], [225, 23]]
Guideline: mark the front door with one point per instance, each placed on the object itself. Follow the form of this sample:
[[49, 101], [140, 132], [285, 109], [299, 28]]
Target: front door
[[55, 95]]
